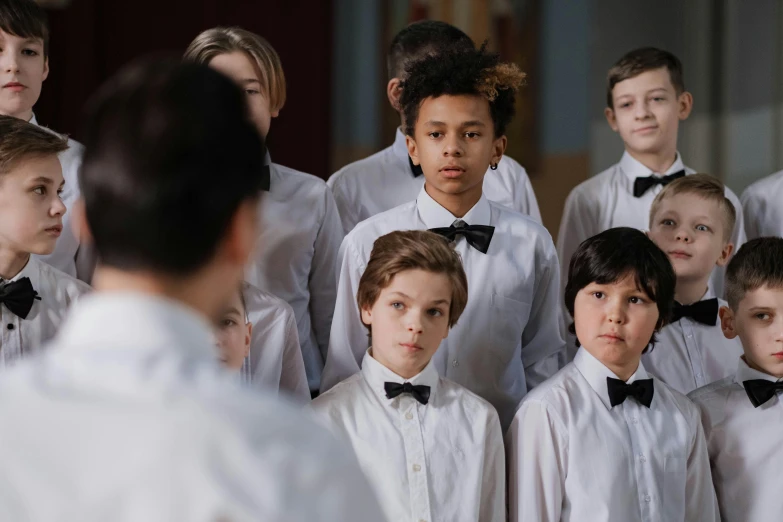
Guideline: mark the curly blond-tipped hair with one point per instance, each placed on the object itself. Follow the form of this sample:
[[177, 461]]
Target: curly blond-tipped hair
[[223, 40]]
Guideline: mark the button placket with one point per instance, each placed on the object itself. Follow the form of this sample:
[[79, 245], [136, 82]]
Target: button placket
[[415, 459]]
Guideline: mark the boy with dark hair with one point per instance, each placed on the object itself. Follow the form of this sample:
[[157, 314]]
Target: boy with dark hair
[[390, 178], [691, 220], [456, 107], [741, 414], [24, 65], [645, 101], [432, 449], [130, 415], [601, 440], [34, 296]]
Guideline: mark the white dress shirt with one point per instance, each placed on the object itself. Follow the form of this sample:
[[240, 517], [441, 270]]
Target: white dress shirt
[[606, 201], [69, 255], [443, 461], [275, 362], [130, 416], [761, 203], [385, 180], [689, 354], [508, 338], [297, 257], [23, 337], [744, 447], [574, 457]]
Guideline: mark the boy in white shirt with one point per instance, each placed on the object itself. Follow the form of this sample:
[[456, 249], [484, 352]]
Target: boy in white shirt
[[743, 414], [646, 100], [432, 449], [761, 204], [130, 415], [457, 106], [691, 220], [256, 335], [301, 226], [24, 65], [34, 296], [389, 178], [601, 440]]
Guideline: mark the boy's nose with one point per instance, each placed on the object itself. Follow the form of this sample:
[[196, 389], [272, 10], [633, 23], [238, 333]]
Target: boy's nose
[[683, 236]]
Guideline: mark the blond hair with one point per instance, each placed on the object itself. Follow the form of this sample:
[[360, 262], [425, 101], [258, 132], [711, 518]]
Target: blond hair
[[702, 185], [411, 250], [22, 140], [224, 40]]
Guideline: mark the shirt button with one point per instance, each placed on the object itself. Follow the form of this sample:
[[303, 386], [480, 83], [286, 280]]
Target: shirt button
[[416, 467], [689, 336], [408, 415], [635, 420], [455, 363], [642, 458], [10, 327], [647, 498]]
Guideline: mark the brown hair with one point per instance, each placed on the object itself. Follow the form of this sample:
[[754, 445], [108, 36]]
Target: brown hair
[[636, 62], [224, 40], [22, 140], [702, 185], [25, 19], [759, 262], [410, 250]]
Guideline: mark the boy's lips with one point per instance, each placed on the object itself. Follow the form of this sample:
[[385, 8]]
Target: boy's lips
[[778, 355], [413, 347], [452, 171], [648, 128], [14, 86], [680, 254], [55, 230], [612, 337]]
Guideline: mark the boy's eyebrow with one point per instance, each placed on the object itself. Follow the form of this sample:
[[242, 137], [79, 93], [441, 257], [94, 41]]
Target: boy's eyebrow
[[401, 294], [232, 310], [247, 81], [471, 123], [44, 180]]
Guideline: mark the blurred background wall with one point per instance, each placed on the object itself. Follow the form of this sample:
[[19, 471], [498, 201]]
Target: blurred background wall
[[333, 52]]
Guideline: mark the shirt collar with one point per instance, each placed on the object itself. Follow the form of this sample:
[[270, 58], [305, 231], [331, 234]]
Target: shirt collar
[[34, 121], [746, 373], [31, 270], [433, 215], [150, 326], [633, 169], [377, 374], [595, 373]]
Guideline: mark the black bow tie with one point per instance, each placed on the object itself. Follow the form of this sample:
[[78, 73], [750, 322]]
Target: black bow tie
[[642, 185], [641, 390], [477, 236], [415, 169], [19, 296], [704, 312], [760, 390], [266, 178], [420, 392]]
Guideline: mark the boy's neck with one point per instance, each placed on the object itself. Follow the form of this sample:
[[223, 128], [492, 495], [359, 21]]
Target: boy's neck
[[656, 162], [11, 263], [691, 291], [758, 368], [457, 204], [25, 115]]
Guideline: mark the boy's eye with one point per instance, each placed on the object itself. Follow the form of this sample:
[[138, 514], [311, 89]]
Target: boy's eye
[[471, 135], [227, 322], [251, 91], [598, 295], [636, 300], [659, 98], [762, 316], [30, 52], [397, 305], [625, 105], [435, 134], [41, 191], [667, 223], [434, 312], [702, 228]]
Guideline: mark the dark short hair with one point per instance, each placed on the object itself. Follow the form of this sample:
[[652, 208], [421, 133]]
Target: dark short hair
[[420, 39], [636, 62], [170, 157], [757, 263], [20, 140], [614, 254], [404, 250], [475, 72], [25, 19]]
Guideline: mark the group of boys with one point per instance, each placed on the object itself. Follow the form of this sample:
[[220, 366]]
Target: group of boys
[[476, 370]]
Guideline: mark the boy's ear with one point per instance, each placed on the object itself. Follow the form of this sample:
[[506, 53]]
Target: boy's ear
[[367, 316], [727, 322], [498, 148], [725, 254], [413, 150], [393, 91], [685, 105], [248, 337], [611, 119]]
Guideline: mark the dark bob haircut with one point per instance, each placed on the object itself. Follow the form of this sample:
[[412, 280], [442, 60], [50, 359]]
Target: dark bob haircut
[[617, 253]]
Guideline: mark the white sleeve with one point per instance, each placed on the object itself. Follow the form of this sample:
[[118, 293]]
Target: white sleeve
[[493, 483], [537, 466], [701, 503], [349, 337]]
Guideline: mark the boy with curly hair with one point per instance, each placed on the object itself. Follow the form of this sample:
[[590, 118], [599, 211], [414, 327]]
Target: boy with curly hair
[[457, 106]]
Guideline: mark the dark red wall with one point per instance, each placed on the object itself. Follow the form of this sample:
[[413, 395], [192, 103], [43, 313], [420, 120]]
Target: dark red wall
[[92, 39]]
